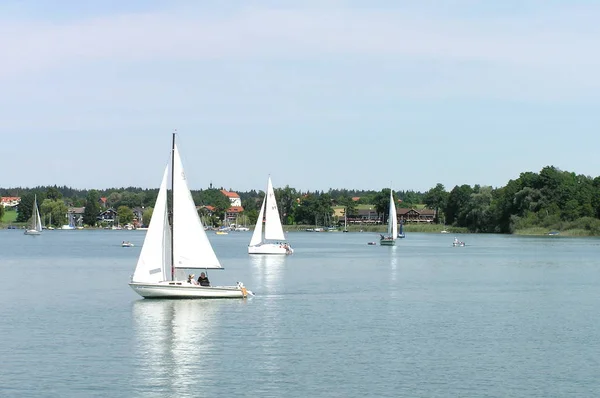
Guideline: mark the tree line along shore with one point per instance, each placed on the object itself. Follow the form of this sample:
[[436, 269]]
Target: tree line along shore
[[551, 201]]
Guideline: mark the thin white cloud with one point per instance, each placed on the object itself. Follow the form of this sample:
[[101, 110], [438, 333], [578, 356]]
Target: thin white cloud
[[564, 38]]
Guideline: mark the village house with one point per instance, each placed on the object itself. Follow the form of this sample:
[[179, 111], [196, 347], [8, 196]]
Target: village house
[[10, 201], [365, 216], [414, 215], [233, 197], [75, 214], [138, 214], [209, 210], [236, 206], [109, 215]]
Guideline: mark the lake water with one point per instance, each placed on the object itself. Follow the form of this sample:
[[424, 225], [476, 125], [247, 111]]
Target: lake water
[[504, 316]]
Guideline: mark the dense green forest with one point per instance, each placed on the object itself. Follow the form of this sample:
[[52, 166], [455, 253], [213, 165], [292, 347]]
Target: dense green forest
[[533, 203]]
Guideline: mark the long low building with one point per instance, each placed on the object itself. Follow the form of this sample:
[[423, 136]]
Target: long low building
[[10, 201]]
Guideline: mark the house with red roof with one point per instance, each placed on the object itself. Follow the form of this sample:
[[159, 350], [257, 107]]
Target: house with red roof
[[10, 201], [236, 205], [233, 197]]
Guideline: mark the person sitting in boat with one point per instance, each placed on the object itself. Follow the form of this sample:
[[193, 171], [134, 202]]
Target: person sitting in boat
[[191, 278], [203, 280], [456, 241]]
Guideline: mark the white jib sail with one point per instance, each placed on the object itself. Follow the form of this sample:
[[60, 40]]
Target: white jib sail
[[154, 263], [192, 249], [273, 228], [393, 219], [35, 217], [258, 228], [38, 220]]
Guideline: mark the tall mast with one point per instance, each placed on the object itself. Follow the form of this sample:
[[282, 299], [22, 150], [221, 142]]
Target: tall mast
[[172, 205]]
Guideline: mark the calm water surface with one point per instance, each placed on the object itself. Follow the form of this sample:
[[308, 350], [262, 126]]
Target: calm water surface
[[503, 317]]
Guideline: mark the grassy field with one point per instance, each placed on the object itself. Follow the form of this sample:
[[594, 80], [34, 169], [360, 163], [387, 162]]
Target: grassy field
[[10, 216]]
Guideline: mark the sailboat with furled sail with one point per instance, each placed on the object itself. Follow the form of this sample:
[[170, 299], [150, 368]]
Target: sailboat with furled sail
[[262, 243], [171, 250], [35, 224]]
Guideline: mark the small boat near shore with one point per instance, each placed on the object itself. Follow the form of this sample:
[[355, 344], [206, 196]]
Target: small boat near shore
[[457, 243]]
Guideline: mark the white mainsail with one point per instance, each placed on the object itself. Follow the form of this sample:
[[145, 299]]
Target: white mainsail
[[393, 219], [192, 249], [257, 234], [155, 257], [273, 228]]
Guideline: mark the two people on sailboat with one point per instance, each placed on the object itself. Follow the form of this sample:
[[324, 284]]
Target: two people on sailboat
[[286, 246], [202, 280]]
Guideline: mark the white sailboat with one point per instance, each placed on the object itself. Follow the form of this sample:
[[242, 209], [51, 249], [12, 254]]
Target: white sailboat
[[401, 233], [392, 232], [35, 225], [262, 243], [345, 220], [71, 224], [171, 250]]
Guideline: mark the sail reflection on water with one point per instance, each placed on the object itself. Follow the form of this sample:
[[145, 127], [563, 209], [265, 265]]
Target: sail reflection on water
[[393, 263], [175, 340], [268, 270], [393, 272]]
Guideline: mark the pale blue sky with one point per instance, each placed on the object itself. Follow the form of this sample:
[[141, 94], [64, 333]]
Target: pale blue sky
[[320, 94]]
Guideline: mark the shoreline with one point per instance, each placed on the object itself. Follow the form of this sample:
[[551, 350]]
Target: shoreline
[[408, 228]]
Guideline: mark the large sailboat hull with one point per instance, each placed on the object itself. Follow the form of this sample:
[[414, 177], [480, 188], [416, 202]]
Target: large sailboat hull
[[32, 232], [387, 242], [184, 290], [270, 248]]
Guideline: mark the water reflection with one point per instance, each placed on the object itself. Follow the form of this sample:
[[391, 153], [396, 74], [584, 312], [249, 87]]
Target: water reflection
[[268, 271], [393, 264], [393, 272], [175, 340]]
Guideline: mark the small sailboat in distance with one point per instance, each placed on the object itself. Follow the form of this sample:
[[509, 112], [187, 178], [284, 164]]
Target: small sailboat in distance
[[401, 231], [263, 243], [35, 223], [392, 232]]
